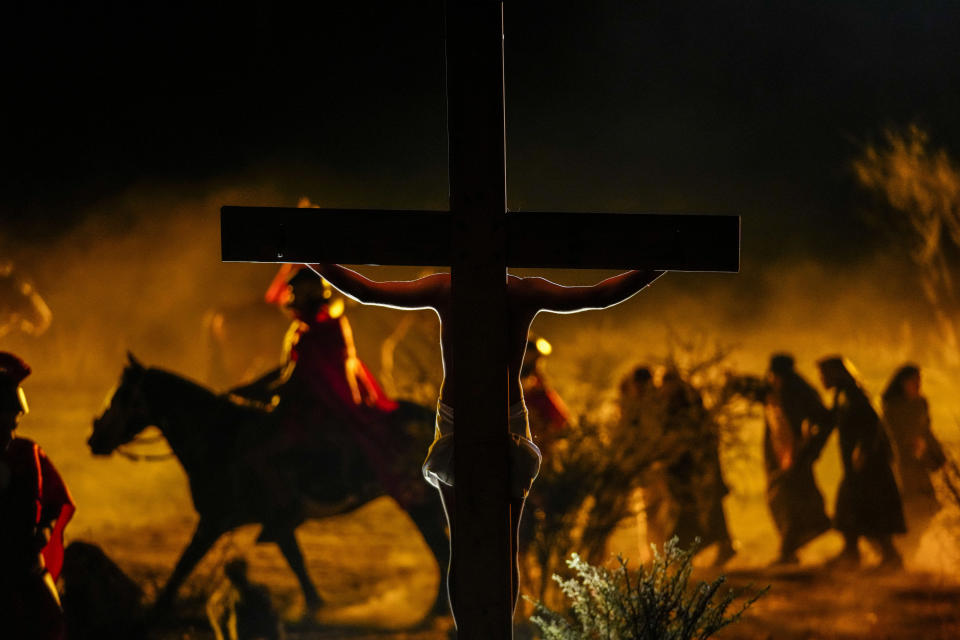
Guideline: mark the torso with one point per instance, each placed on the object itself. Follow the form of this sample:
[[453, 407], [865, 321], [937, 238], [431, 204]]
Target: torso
[[19, 493], [519, 316]]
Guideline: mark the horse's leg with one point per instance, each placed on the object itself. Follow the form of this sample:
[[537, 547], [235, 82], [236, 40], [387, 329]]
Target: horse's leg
[[203, 538], [429, 519], [290, 548]]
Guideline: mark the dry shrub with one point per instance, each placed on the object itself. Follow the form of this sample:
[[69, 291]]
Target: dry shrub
[[652, 603], [921, 187], [590, 482]]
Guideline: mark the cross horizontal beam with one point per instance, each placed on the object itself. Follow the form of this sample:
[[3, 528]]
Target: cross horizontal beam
[[350, 236], [675, 242]]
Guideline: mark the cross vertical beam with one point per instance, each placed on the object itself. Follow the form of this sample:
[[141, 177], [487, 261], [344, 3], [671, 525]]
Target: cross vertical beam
[[479, 239], [475, 110]]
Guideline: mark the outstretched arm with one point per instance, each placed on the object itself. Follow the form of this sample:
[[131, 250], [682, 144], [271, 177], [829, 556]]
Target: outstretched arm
[[549, 296], [422, 293]]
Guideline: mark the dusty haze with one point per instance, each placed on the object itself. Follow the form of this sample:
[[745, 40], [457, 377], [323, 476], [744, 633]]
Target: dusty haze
[[148, 284]]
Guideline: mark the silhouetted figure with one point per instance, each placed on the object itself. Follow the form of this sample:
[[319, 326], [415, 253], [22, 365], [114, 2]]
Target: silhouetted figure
[[907, 415], [242, 610], [321, 376], [693, 475], [642, 416], [868, 500], [794, 415], [643, 411], [549, 416], [526, 298], [35, 507], [638, 397], [100, 602], [21, 306]]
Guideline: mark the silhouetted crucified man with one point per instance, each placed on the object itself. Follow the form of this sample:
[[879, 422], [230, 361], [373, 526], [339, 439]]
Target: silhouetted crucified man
[[478, 238], [526, 297]]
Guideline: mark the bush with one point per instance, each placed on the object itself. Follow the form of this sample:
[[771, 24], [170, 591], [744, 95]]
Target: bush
[[652, 603], [590, 479]]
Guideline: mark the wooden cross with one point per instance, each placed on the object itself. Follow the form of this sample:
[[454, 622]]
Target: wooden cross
[[478, 238]]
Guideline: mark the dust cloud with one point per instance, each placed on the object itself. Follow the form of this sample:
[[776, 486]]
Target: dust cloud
[[142, 273]]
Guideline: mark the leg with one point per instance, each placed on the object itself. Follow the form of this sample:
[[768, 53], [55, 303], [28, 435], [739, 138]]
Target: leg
[[716, 528], [449, 505], [849, 558], [203, 538], [890, 558], [290, 548], [516, 512], [788, 550]]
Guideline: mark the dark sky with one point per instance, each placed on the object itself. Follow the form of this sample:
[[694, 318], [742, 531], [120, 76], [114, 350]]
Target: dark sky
[[743, 107]]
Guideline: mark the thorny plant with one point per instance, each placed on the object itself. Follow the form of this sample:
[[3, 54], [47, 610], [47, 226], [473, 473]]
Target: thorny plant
[[652, 603]]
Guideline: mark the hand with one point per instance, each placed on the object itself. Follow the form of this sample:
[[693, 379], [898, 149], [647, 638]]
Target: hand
[[858, 458], [352, 369], [41, 538], [919, 448]]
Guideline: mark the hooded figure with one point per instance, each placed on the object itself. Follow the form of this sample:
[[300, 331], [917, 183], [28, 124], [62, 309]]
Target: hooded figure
[[35, 507], [794, 416], [868, 500], [907, 415]]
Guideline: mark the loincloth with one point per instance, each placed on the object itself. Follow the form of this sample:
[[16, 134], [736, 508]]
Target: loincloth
[[524, 455]]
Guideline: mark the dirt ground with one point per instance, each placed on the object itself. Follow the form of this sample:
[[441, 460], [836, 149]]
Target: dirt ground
[[808, 603], [379, 580]]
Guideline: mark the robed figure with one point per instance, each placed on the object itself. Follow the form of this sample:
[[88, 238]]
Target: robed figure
[[794, 417], [919, 453], [868, 500]]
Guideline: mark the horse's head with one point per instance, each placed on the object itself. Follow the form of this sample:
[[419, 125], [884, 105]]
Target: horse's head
[[126, 413]]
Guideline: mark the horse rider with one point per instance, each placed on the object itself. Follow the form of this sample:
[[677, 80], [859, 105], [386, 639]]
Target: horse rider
[[322, 381]]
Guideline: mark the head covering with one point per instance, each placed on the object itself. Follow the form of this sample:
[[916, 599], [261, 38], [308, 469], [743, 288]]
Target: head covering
[[895, 388], [781, 364], [13, 370], [642, 375], [293, 281], [236, 570], [307, 284], [837, 371]]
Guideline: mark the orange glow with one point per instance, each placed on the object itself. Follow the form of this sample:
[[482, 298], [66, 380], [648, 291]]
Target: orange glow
[[544, 347]]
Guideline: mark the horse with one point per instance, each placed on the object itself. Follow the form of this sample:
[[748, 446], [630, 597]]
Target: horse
[[210, 434]]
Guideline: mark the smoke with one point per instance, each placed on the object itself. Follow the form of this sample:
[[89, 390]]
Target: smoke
[[138, 274], [142, 271]]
